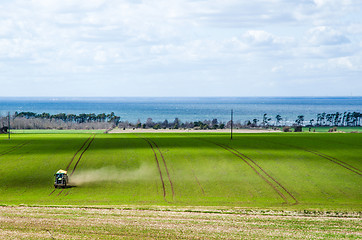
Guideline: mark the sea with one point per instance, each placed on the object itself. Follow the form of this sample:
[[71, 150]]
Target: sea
[[185, 109]]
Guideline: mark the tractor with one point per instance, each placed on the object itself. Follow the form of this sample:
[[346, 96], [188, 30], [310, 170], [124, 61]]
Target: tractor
[[61, 179]]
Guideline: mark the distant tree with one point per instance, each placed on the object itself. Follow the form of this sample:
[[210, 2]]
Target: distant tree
[[165, 124], [311, 122], [176, 123], [138, 124], [255, 122], [266, 120], [347, 119], [356, 118], [247, 123], [46, 115], [329, 119], [101, 117], [344, 118], [278, 119], [71, 117], [300, 120], [214, 123], [336, 118], [149, 123], [323, 116]]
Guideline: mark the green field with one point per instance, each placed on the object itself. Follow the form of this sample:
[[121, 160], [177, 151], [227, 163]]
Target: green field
[[326, 129], [340, 129], [268, 171]]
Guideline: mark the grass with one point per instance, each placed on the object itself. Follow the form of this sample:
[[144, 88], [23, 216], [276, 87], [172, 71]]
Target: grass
[[121, 169]]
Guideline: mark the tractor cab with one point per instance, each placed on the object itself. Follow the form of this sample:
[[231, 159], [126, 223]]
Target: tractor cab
[[61, 179]]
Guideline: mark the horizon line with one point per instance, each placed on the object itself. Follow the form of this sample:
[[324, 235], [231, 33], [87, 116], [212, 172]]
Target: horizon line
[[175, 97]]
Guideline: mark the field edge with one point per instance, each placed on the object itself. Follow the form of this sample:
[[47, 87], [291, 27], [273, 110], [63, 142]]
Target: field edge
[[203, 209]]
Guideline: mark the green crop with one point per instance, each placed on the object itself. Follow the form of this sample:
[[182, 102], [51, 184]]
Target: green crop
[[267, 170]]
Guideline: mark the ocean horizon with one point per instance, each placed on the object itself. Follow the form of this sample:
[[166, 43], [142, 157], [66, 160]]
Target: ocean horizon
[[185, 108]]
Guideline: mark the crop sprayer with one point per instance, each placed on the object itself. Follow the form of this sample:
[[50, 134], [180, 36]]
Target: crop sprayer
[[61, 179]]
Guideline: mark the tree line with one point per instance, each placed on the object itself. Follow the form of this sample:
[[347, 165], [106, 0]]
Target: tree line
[[351, 119], [31, 120], [80, 118]]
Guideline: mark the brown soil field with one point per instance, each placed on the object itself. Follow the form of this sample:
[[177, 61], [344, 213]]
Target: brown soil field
[[114, 223]]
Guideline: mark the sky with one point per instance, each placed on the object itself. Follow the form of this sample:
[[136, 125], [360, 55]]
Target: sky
[[182, 48]]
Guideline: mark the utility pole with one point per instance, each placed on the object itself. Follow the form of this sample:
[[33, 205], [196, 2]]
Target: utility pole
[[231, 125], [9, 125]]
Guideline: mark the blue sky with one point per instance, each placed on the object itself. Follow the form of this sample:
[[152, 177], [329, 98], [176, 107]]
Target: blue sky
[[186, 48]]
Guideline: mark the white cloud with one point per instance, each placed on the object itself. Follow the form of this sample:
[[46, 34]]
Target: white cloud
[[347, 63], [323, 35], [182, 40], [258, 37], [277, 69]]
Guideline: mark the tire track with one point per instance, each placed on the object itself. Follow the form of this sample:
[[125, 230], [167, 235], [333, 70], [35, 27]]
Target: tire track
[[60, 192], [81, 155], [71, 161], [13, 148], [273, 179], [198, 182], [158, 167], [335, 160], [66, 194], [256, 171], [52, 192], [339, 161], [164, 162], [322, 155], [265, 178]]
